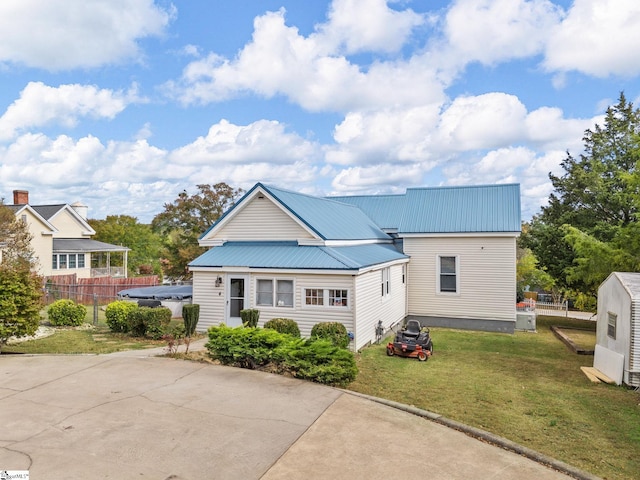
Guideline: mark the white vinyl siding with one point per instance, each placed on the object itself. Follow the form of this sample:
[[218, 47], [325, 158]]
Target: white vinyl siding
[[362, 293], [210, 298], [370, 306], [262, 220], [486, 277], [308, 315]]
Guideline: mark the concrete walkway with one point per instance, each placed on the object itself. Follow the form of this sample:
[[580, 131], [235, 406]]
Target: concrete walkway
[[130, 415]]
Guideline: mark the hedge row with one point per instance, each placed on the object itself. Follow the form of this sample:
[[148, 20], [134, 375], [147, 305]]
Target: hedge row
[[318, 360]]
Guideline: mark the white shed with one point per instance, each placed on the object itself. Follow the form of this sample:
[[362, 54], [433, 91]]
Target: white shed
[[617, 352]]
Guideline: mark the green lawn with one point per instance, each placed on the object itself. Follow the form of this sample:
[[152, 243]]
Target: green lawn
[[87, 339], [526, 387]]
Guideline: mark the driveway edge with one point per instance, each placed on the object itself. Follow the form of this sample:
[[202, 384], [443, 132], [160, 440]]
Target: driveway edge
[[485, 436]]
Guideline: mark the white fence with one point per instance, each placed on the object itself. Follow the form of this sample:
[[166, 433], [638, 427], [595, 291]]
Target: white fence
[[544, 308]]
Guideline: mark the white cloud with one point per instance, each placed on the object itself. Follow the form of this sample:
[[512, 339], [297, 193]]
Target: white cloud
[[368, 25], [310, 71], [549, 130], [261, 141], [67, 34], [481, 122], [40, 105], [384, 135], [597, 37], [490, 31], [138, 178], [381, 178]]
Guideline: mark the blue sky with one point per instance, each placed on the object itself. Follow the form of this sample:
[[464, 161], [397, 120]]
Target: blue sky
[[122, 104]]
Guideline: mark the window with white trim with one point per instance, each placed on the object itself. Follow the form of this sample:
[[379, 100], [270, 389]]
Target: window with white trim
[[326, 297], [447, 274], [274, 292], [386, 281], [338, 298], [313, 296], [67, 260], [612, 320]]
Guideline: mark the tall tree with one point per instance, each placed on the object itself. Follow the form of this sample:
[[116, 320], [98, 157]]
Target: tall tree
[[189, 216], [20, 287], [586, 231], [125, 230]]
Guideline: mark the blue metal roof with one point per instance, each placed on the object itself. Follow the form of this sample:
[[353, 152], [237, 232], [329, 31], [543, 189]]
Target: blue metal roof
[[290, 255], [330, 219], [384, 210], [487, 208]]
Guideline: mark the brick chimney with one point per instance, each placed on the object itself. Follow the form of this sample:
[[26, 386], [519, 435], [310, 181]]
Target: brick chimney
[[20, 197]]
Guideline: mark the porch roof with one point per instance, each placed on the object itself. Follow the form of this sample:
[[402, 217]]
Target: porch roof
[[290, 255], [84, 245]]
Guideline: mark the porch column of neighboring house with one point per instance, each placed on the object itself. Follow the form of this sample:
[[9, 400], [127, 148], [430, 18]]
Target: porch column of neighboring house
[[126, 254], [109, 263]]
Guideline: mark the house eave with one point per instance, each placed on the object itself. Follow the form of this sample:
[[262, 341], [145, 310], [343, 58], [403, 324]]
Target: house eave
[[457, 234]]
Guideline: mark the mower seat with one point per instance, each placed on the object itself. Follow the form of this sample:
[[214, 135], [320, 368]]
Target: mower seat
[[412, 329]]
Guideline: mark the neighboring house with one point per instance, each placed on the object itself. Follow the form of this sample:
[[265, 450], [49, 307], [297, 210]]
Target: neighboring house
[[617, 352], [62, 240], [446, 256]]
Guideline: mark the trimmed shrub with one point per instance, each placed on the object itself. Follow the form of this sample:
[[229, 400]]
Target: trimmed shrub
[[250, 317], [66, 312], [116, 313], [149, 322], [283, 325], [157, 322], [246, 347], [335, 332], [321, 361], [316, 360], [190, 316]]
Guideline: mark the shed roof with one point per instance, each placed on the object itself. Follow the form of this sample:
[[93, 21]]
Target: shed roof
[[290, 255], [630, 281]]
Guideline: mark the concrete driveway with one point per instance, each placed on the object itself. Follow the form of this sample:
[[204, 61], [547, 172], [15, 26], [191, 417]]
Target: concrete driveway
[[126, 417]]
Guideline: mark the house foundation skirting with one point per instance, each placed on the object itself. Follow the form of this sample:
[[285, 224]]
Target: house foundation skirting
[[484, 325]]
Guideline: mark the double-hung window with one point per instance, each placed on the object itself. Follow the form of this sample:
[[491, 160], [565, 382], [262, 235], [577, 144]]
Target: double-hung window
[[274, 292], [448, 274], [386, 281]]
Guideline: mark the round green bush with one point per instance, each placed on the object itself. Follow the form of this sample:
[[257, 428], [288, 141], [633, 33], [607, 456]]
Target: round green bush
[[116, 313], [283, 325], [335, 332], [66, 312]]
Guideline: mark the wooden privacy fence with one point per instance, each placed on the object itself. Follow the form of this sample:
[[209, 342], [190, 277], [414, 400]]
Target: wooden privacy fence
[[89, 290]]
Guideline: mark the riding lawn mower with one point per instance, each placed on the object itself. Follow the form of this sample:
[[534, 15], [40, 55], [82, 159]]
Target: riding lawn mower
[[412, 341]]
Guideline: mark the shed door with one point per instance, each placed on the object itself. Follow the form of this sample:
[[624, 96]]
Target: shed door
[[238, 298]]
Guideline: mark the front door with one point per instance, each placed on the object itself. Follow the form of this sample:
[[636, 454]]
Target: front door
[[238, 298]]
